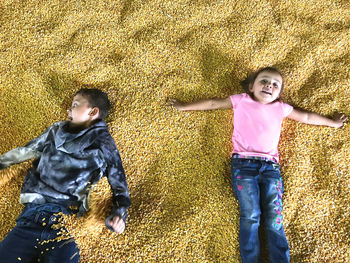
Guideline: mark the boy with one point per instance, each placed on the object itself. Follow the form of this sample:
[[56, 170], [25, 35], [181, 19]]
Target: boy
[[70, 157]]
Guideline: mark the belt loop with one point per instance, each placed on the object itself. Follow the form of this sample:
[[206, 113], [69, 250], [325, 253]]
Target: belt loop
[[37, 217]]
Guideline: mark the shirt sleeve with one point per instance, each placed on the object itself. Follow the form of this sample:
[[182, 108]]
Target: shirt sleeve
[[116, 178], [32, 149], [235, 99], [287, 109]]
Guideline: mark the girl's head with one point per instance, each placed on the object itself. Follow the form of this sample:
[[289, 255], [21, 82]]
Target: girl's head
[[264, 85]]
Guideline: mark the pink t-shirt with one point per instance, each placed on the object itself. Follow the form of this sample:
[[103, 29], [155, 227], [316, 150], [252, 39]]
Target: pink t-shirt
[[257, 126]]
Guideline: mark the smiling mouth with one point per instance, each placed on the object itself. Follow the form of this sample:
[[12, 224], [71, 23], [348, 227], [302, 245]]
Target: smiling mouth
[[266, 92]]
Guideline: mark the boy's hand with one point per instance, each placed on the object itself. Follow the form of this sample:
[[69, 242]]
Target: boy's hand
[[118, 224]]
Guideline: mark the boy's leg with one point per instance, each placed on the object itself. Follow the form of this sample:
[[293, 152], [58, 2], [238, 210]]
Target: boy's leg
[[53, 251], [21, 244], [63, 252], [271, 198], [245, 185], [33, 238]]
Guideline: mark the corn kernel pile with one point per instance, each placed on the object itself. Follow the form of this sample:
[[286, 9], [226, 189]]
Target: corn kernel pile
[[178, 163]]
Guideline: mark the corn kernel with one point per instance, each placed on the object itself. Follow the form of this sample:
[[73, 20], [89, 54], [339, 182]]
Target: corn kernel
[[178, 163]]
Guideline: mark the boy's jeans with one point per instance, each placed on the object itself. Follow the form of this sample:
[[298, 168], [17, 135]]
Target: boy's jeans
[[29, 241], [259, 188]]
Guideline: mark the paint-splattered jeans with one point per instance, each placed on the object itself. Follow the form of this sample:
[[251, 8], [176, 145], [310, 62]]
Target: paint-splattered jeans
[[31, 239], [258, 186]]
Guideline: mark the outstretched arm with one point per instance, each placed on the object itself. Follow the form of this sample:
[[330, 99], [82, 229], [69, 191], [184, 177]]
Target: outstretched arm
[[31, 150], [316, 119], [209, 104]]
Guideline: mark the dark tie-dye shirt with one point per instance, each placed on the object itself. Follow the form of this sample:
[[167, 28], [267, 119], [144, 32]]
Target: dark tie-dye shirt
[[67, 165]]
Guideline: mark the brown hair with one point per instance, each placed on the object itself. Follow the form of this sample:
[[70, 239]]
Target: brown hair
[[250, 79], [96, 98]]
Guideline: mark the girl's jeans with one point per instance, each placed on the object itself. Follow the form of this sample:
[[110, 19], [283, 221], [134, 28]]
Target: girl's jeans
[[259, 188], [31, 240]]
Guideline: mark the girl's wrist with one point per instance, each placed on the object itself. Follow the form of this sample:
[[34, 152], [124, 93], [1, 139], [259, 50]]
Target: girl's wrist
[[179, 107]]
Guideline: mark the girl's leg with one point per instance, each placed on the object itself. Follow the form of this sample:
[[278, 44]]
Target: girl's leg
[[271, 199], [245, 185]]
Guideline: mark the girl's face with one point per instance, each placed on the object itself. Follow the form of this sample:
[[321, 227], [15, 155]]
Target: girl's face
[[266, 87]]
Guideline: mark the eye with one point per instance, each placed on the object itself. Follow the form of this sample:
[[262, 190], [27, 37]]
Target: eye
[[263, 81], [276, 85]]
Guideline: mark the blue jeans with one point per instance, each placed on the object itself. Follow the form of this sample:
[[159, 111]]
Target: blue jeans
[[31, 240], [258, 186]]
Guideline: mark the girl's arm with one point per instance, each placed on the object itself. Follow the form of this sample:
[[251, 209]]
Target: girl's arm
[[316, 119], [209, 104]]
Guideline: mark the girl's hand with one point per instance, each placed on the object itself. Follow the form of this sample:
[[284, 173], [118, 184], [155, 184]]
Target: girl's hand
[[175, 103], [339, 122], [118, 224]]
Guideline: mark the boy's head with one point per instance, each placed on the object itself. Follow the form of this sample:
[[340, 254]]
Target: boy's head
[[98, 99], [264, 85], [89, 105]]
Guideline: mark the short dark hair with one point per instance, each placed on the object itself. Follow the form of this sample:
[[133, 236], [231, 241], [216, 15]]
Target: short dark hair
[[96, 98], [250, 79]]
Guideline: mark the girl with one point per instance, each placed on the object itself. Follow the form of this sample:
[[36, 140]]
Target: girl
[[256, 178]]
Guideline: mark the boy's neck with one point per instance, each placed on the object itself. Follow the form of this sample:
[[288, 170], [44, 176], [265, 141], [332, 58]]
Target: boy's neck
[[78, 127]]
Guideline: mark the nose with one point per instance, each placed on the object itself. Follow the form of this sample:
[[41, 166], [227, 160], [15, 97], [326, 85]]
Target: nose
[[69, 113], [268, 84]]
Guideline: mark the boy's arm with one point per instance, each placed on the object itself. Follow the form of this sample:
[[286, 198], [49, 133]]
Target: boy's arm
[[21, 154], [209, 104], [316, 119], [17, 155], [117, 180]]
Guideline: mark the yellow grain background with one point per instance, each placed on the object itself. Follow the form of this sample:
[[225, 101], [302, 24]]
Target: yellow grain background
[[143, 52]]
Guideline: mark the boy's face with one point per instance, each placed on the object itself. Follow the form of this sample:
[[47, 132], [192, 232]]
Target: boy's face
[[267, 87], [80, 112]]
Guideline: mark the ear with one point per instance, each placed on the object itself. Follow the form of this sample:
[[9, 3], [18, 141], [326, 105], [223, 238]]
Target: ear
[[94, 113], [250, 87]]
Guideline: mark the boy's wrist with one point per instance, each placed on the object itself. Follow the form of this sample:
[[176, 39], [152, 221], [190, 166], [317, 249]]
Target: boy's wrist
[[121, 212]]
